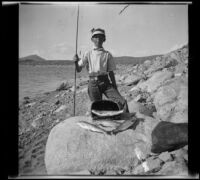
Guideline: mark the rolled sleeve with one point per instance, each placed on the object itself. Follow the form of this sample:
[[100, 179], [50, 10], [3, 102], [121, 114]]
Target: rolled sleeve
[[111, 66]]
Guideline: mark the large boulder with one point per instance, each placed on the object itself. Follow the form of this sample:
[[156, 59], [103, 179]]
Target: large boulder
[[156, 65], [180, 69], [71, 149], [135, 107], [171, 101], [153, 83], [168, 136], [132, 79], [175, 56], [146, 127], [119, 78]]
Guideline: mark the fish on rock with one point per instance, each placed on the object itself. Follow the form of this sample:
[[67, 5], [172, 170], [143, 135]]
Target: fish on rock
[[92, 127], [106, 113], [125, 125], [107, 123]]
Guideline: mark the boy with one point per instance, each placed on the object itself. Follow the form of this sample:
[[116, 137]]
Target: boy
[[100, 65]]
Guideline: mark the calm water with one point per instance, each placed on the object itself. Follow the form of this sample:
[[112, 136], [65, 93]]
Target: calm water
[[38, 79]]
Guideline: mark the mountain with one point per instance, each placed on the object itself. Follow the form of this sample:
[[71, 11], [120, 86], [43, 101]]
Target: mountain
[[37, 60], [32, 58]]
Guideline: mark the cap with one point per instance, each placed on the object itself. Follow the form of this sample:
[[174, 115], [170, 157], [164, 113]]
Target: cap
[[98, 31]]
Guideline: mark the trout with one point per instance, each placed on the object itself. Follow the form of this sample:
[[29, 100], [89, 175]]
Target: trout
[[107, 113], [107, 123], [92, 127], [124, 126]]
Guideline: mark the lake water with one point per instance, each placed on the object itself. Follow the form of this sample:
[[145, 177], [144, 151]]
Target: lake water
[[38, 79]]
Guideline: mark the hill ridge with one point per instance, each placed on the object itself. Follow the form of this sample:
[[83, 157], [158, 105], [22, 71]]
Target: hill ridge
[[37, 60]]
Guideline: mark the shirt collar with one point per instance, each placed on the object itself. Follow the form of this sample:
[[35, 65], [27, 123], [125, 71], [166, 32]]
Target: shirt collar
[[98, 49]]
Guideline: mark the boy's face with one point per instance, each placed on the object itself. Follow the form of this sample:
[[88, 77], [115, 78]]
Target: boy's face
[[98, 40]]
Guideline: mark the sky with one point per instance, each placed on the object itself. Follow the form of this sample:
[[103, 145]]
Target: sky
[[140, 30]]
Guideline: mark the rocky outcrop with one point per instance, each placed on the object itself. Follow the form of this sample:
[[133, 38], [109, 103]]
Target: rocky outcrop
[[159, 96], [171, 101], [153, 83], [131, 79], [157, 91]]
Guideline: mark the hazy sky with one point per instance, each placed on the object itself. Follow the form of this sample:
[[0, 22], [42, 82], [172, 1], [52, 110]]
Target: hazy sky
[[140, 30]]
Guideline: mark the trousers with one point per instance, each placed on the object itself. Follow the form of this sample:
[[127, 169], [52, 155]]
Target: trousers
[[96, 89]]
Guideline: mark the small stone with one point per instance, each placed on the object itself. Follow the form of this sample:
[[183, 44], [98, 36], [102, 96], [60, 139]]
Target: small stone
[[88, 113], [73, 88], [110, 172], [173, 168], [134, 88], [145, 166], [61, 108], [83, 90], [177, 74], [26, 98], [63, 86], [57, 95], [63, 94], [119, 171], [57, 102], [47, 93], [179, 153], [140, 153], [138, 97], [57, 120], [153, 164], [34, 124], [185, 147], [185, 156], [97, 171], [83, 172], [138, 170], [30, 104], [127, 173], [43, 101], [165, 156]]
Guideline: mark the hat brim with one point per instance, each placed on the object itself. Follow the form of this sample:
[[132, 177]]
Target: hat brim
[[97, 32]]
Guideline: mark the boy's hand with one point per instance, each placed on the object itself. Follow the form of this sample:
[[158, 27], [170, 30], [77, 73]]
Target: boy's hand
[[75, 58]]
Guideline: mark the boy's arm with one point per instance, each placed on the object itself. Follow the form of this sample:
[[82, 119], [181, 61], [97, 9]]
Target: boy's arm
[[78, 68], [112, 78]]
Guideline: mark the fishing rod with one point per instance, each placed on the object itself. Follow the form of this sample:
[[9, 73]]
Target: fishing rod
[[75, 65]]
